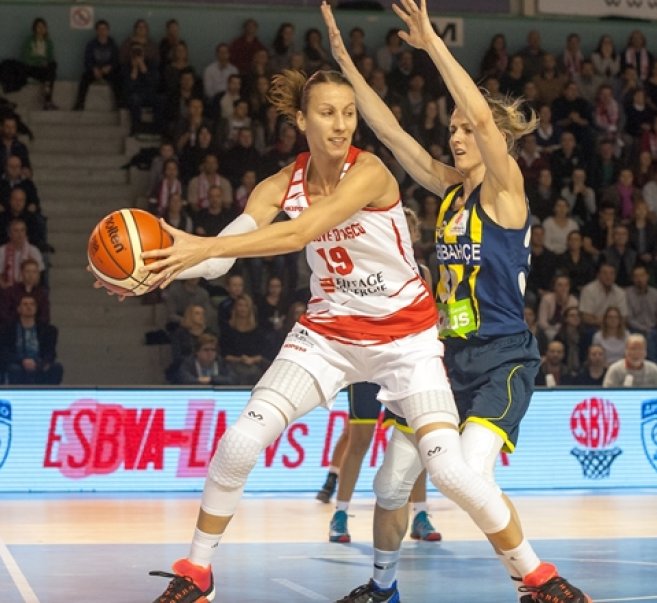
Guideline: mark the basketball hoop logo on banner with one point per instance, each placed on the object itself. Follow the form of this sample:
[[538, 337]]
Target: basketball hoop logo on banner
[[5, 430], [595, 425], [649, 430]]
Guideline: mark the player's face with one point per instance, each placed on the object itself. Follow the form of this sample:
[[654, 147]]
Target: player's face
[[331, 119], [462, 143]]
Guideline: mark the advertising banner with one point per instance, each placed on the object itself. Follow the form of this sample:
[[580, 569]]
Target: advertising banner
[[631, 9], [120, 440]]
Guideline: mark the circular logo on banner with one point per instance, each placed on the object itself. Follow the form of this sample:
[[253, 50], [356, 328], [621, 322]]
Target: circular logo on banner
[[81, 17]]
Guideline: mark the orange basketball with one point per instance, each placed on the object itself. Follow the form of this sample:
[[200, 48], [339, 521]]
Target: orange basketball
[[115, 247]]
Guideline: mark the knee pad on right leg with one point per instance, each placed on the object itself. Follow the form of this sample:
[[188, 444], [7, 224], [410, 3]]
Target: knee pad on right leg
[[434, 406], [400, 468]]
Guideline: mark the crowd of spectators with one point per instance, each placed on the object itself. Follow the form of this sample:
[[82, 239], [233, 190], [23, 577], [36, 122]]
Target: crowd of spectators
[[590, 171]]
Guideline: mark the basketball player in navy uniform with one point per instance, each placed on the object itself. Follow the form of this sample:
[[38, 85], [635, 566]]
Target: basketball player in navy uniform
[[482, 243]]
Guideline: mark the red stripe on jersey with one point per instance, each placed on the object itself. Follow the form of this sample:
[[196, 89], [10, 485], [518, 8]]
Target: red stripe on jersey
[[414, 318], [299, 164], [382, 208], [400, 245]]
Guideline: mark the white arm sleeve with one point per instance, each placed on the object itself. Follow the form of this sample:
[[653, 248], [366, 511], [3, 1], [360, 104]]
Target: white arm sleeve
[[216, 267]]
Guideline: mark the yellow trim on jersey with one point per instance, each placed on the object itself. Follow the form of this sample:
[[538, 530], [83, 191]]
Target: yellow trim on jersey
[[357, 421], [440, 231], [476, 232], [392, 422], [508, 445]]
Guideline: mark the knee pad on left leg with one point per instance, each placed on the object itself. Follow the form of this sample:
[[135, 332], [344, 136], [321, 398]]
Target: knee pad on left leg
[[434, 406], [440, 451], [395, 478]]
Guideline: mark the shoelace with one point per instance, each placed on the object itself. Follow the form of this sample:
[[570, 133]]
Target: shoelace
[[559, 582], [177, 583]]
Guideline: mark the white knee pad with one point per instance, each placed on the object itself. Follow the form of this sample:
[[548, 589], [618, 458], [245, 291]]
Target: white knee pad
[[481, 447], [440, 451], [434, 406], [395, 478], [289, 387]]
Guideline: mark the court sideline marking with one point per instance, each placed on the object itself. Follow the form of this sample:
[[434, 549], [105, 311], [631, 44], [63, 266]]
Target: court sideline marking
[[302, 590], [23, 586]]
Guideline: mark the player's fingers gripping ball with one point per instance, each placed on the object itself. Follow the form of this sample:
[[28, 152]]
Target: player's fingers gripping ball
[[115, 248]]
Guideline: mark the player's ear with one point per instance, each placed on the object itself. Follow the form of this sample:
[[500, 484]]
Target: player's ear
[[301, 121]]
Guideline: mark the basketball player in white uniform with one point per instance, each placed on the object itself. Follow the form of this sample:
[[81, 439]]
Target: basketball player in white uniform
[[370, 318]]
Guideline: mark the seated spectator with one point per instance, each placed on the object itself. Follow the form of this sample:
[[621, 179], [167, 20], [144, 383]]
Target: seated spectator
[[532, 327], [580, 198], [496, 58], [101, 64], [182, 294], [626, 84], [168, 45], [140, 36], [314, 53], [622, 194], [607, 115], [30, 284], [168, 186], [643, 233], [140, 90], [554, 304], [239, 120], [572, 57], [246, 45], [532, 54], [429, 130], [543, 263], [17, 210], [588, 82], [259, 100], [601, 294], [38, 57], [548, 135], [272, 306], [651, 88], [573, 336], [174, 68], [205, 366], [414, 99], [243, 192], [531, 160], [28, 348], [234, 289], [243, 156], [10, 145], [184, 337], [156, 171], [242, 343], [513, 80], [282, 47], [572, 113], [642, 309], [604, 168], [643, 169], [211, 220], [199, 186], [558, 226], [14, 252], [176, 214], [605, 59], [223, 106], [549, 81], [632, 370], [386, 55], [636, 55], [552, 370], [259, 67], [598, 233], [565, 159], [13, 177], [194, 153], [638, 116], [612, 335], [216, 74], [576, 263], [542, 195], [283, 153], [187, 129], [595, 368], [176, 110], [620, 255]]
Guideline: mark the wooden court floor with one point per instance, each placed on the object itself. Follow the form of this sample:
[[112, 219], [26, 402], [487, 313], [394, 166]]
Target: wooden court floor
[[56, 549]]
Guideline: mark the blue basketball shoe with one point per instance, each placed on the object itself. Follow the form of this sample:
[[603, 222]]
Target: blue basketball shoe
[[371, 593]]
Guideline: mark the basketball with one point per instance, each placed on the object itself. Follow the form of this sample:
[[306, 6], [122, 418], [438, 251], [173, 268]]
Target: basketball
[[115, 247]]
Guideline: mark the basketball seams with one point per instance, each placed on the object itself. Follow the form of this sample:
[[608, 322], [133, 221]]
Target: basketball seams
[[109, 253]]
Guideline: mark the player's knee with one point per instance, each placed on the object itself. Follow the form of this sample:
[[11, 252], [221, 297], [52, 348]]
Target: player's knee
[[392, 489]]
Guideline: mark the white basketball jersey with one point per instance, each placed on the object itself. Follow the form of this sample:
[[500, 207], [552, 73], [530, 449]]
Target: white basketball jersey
[[365, 283]]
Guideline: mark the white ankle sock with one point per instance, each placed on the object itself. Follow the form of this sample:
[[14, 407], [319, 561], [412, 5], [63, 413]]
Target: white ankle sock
[[341, 505], [203, 547], [523, 558], [513, 574], [385, 567], [418, 507]]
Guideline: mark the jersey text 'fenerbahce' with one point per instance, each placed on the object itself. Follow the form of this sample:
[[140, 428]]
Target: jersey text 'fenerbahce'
[[482, 271], [365, 284]]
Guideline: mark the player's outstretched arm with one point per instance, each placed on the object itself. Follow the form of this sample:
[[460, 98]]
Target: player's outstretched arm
[[502, 172], [368, 182], [418, 163]]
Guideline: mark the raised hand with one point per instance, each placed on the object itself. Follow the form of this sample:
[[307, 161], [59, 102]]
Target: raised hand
[[338, 49], [417, 20]]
